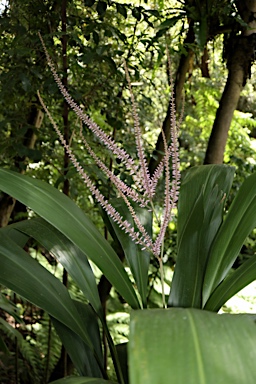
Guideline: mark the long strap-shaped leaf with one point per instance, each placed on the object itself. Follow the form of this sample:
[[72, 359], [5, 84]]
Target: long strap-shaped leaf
[[239, 222], [77, 265], [191, 346], [239, 279], [28, 278], [69, 255], [62, 213], [10, 308], [189, 269], [200, 215], [81, 380], [83, 359], [137, 259]]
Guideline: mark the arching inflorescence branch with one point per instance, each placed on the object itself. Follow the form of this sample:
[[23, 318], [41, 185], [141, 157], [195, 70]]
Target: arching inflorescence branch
[[143, 169], [144, 184]]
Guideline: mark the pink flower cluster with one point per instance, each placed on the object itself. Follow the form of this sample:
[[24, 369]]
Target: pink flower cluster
[[145, 185]]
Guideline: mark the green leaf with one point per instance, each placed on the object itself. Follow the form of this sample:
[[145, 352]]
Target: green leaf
[[63, 214], [236, 281], [188, 274], [80, 354], [69, 255], [101, 8], [191, 346], [96, 37], [78, 267], [29, 279], [196, 178], [9, 329], [25, 348], [122, 352], [10, 308], [18, 237], [110, 62], [89, 3], [81, 380], [136, 12], [200, 209], [3, 347], [137, 259], [121, 9], [153, 12], [201, 32], [168, 23], [238, 223]]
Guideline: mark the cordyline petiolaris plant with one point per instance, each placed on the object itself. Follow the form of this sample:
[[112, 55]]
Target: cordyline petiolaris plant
[[144, 185]]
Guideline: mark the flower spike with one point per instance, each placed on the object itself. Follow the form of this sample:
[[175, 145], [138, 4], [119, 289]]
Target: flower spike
[[140, 237], [144, 172], [102, 136], [140, 173]]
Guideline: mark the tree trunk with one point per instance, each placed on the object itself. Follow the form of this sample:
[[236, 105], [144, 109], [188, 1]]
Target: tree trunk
[[241, 55], [6, 207]]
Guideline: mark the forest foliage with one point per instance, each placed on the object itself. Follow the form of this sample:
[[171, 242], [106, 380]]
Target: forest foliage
[[208, 42]]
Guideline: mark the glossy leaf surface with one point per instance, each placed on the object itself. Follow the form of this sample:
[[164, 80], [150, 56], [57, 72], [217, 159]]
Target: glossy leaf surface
[[178, 346], [137, 259], [40, 287], [69, 255], [239, 222], [200, 210], [82, 357], [63, 214], [236, 281]]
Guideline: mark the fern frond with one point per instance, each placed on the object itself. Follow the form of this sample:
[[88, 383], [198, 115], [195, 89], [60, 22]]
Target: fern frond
[[28, 352]]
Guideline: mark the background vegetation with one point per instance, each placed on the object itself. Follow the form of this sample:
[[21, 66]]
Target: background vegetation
[[211, 44]]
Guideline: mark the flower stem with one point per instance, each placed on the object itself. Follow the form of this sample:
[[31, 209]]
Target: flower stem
[[160, 260]]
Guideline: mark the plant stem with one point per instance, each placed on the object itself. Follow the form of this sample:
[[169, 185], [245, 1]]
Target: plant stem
[[113, 352], [46, 373], [160, 259]]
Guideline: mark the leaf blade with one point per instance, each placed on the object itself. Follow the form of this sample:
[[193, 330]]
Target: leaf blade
[[28, 278], [205, 343], [199, 218], [70, 256], [63, 214], [81, 380], [137, 259], [82, 357], [239, 279], [239, 222]]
